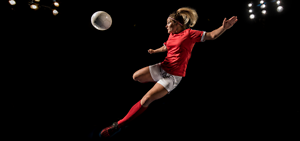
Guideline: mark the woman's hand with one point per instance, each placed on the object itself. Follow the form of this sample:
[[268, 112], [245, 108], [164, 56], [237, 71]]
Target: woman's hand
[[151, 51], [229, 23], [162, 49]]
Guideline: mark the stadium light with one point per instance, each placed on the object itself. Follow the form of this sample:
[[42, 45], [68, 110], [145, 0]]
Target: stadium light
[[250, 5], [12, 2], [278, 2], [252, 16], [55, 12], [279, 9], [34, 6], [261, 5], [261, 2], [56, 4]]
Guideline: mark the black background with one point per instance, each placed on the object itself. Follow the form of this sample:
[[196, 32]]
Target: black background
[[68, 80]]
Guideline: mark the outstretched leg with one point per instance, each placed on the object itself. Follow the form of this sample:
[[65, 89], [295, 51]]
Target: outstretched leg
[[156, 92]]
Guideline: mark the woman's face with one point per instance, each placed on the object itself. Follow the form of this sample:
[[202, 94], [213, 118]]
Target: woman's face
[[171, 26]]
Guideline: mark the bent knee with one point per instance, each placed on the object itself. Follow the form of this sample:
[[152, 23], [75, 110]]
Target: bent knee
[[139, 78], [135, 77]]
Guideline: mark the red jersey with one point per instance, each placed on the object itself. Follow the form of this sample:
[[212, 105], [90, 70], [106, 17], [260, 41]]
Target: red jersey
[[180, 47]]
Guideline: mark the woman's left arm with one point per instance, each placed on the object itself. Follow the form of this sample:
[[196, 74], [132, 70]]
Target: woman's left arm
[[218, 32]]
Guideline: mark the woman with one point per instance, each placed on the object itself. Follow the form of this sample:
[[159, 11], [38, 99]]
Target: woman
[[169, 73]]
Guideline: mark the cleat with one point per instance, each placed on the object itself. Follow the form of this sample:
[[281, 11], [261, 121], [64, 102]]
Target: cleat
[[110, 131]]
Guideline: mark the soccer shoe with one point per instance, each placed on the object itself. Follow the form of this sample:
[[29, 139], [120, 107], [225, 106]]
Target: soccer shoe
[[110, 131]]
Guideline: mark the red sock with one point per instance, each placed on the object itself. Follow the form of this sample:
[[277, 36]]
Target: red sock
[[134, 112]]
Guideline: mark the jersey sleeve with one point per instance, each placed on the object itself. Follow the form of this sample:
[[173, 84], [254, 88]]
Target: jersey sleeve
[[197, 36], [165, 44]]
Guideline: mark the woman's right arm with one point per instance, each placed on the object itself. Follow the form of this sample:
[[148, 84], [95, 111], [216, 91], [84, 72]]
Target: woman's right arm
[[162, 49]]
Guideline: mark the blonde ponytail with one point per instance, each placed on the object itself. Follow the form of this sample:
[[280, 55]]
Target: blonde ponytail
[[189, 16]]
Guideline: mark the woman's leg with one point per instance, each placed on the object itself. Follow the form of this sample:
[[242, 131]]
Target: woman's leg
[[143, 75], [156, 92]]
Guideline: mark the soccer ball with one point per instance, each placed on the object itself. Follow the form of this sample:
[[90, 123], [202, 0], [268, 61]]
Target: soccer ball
[[101, 20]]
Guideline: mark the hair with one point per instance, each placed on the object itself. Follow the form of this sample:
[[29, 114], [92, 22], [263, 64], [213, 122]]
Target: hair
[[186, 16]]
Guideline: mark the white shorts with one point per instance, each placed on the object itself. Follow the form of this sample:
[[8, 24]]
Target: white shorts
[[167, 80]]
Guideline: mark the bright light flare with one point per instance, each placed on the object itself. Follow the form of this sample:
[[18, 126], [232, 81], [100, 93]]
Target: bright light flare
[[250, 5], [264, 12], [55, 12], [279, 9], [252, 16], [261, 2], [34, 6], [12, 2], [278, 2], [56, 4]]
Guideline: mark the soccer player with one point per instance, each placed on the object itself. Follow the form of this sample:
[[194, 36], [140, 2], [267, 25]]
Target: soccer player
[[169, 72]]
